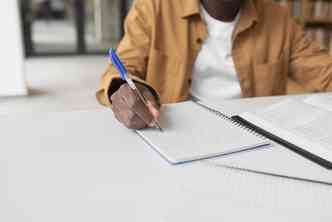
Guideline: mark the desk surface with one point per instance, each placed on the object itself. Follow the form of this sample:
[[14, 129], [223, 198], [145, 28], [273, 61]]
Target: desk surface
[[89, 168]]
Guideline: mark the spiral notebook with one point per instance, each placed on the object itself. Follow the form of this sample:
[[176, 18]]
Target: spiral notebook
[[193, 131]]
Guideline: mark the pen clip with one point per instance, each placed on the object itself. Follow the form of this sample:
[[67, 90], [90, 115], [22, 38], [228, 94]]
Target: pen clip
[[117, 64]]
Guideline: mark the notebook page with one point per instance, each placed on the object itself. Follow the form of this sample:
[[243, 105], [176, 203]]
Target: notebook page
[[299, 123], [192, 132]]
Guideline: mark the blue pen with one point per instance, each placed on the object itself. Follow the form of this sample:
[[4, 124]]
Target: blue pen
[[123, 75]]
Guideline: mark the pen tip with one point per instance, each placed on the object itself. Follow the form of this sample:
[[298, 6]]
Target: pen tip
[[159, 127]]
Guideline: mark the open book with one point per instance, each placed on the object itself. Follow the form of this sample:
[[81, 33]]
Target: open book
[[297, 125], [193, 131]]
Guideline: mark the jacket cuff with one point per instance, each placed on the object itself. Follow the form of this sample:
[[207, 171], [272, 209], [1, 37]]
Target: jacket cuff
[[151, 90], [116, 83]]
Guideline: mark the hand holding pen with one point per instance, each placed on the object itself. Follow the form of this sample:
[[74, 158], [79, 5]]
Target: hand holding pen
[[133, 104]]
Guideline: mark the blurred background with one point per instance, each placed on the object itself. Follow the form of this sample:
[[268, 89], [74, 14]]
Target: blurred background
[[64, 45], [64, 27], [57, 48]]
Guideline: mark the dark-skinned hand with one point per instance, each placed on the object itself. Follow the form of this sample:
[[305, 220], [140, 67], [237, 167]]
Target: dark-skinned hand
[[131, 111]]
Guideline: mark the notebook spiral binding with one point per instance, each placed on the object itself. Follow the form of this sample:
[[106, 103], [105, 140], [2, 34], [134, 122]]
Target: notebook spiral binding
[[227, 117], [267, 136]]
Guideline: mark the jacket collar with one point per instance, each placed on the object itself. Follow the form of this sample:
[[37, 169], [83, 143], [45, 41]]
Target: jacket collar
[[248, 18], [190, 8]]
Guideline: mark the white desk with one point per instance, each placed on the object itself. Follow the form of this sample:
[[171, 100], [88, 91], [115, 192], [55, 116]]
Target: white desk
[[95, 170]]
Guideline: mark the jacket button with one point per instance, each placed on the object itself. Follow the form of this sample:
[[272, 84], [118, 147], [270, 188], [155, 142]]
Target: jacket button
[[189, 81], [199, 41]]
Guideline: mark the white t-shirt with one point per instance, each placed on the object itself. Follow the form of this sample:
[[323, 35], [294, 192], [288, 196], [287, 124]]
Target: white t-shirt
[[214, 76]]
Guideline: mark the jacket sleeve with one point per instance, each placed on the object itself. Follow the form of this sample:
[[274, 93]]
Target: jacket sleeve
[[310, 66], [133, 51]]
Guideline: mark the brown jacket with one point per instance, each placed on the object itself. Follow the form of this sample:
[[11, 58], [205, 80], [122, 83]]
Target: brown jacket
[[272, 54]]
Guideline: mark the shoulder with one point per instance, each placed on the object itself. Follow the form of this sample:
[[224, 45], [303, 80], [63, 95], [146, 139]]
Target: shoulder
[[159, 5], [272, 14], [156, 3], [269, 8]]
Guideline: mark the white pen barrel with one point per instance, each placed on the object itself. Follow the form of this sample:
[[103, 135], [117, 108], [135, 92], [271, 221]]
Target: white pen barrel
[[131, 83]]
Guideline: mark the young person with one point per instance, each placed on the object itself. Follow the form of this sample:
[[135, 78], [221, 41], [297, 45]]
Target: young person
[[211, 50]]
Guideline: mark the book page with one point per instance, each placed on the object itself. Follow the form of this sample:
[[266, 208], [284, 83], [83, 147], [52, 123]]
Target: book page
[[323, 101], [297, 122]]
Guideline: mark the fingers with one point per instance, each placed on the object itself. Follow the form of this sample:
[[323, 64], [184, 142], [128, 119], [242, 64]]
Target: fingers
[[154, 111], [136, 105], [128, 118], [130, 110]]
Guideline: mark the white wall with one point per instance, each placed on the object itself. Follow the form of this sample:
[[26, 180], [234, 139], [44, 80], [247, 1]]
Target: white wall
[[12, 81]]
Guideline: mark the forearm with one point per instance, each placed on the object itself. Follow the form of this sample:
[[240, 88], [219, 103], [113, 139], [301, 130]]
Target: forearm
[[133, 51]]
